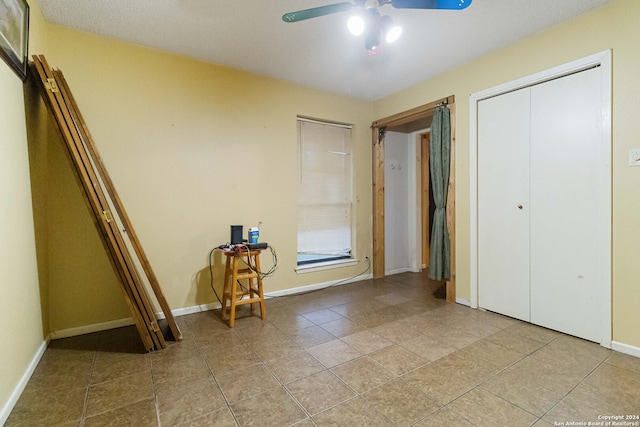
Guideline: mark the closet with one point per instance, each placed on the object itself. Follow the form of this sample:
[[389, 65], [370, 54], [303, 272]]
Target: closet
[[542, 204]]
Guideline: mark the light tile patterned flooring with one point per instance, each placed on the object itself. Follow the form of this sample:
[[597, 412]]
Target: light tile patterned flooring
[[374, 353]]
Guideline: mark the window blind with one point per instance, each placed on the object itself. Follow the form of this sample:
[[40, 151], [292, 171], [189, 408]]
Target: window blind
[[324, 188]]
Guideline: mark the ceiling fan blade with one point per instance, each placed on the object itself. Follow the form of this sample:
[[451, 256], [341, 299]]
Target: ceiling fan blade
[[431, 4], [314, 12]]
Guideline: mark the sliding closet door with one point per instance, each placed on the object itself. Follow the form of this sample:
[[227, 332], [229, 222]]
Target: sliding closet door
[[566, 204], [503, 204]]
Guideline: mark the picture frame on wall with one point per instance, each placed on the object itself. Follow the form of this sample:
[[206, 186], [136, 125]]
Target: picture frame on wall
[[14, 35]]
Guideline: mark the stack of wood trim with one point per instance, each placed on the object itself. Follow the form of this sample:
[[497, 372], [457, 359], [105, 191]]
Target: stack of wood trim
[[110, 218]]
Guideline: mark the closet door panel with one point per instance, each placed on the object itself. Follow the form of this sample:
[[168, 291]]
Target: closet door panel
[[566, 116], [503, 204]]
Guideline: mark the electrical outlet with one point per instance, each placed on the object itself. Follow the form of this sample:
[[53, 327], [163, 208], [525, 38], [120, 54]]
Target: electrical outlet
[[634, 157]]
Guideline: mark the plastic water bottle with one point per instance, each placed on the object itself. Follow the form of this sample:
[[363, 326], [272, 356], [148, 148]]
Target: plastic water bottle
[[254, 234]]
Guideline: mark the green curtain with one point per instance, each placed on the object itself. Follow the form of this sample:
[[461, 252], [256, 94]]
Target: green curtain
[[440, 152]]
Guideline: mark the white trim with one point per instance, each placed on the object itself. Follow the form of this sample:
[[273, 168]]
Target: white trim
[[399, 270], [543, 76], [88, 329], [317, 286], [98, 327], [327, 265], [192, 310], [473, 200], [463, 301], [606, 213], [625, 348], [127, 321], [320, 122], [19, 388], [603, 59]]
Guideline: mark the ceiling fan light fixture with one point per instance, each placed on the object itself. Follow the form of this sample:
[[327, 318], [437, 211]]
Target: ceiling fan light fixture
[[372, 42], [390, 30], [374, 50], [369, 21], [394, 34], [355, 25], [371, 4]]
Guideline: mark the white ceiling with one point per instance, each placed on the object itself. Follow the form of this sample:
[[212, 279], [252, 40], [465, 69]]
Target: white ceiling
[[250, 35]]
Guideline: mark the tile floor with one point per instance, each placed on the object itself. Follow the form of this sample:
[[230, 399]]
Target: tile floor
[[374, 353]]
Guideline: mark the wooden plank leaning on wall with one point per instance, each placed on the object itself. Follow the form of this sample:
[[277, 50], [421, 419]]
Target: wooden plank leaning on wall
[[103, 200]]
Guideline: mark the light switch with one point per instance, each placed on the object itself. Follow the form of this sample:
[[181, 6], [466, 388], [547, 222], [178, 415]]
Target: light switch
[[634, 157]]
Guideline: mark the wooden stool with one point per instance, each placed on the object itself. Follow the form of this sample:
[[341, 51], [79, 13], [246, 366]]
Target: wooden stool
[[232, 276]]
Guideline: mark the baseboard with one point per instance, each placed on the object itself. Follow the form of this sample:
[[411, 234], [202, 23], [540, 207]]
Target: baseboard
[[98, 327], [119, 323], [88, 329], [625, 348], [316, 286], [17, 391], [191, 310], [398, 271], [463, 301]]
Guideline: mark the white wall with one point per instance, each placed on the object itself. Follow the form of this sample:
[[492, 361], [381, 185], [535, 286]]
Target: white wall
[[397, 173]]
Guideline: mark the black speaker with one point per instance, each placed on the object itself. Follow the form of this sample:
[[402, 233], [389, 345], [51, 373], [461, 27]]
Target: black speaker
[[236, 234]]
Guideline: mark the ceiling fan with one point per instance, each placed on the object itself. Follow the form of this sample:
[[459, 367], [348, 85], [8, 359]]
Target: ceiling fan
[[368, 20]]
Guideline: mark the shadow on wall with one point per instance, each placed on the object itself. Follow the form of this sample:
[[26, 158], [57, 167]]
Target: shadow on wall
[[37, 123], [209, 278]]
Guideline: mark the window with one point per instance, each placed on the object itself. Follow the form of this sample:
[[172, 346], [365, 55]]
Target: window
[[324, 191]]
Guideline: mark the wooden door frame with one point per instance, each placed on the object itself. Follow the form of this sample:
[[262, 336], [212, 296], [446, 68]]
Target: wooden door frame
[[424, 139], [379, 128]]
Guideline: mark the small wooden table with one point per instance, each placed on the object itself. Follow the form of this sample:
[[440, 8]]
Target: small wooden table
[[233, 292]]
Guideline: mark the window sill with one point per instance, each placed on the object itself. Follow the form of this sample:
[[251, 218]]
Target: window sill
[[327, 265]]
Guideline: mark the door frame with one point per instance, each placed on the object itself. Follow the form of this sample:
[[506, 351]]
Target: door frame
[[423, 146], [378, 128], [601, 59]]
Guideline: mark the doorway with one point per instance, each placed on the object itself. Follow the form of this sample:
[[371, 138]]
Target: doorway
[[404, 227], [408, 122]]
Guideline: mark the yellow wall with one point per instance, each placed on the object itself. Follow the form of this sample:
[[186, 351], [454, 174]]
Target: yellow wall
[[191, 148], [21, 316], [615, 26], [21, 333]]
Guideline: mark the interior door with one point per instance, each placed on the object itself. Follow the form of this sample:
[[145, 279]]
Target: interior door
[[566, 204], [503, 204]]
